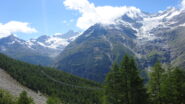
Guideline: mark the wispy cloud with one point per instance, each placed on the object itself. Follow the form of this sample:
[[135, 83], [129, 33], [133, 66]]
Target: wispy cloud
[[91, 14], [14, 27]]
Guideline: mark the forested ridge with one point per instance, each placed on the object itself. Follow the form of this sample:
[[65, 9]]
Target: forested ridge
[[123, 84], [34, 77]]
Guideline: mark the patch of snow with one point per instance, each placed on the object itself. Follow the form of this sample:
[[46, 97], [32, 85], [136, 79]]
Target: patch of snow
[[12, 42], [75, 37], [110, 43], [162, 19], [57, 34], [54, 42], [148, 24], [175, 13], [29, 44], [42, 44], [182, 25], [89, 34]]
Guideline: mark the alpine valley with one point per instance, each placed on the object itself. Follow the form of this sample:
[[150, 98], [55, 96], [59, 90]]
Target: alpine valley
[[90, 54], [113, 53]]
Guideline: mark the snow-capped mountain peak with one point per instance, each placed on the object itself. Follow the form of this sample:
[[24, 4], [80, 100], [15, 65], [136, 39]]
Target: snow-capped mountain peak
[[57, 41], [163, 19], [145, 24]]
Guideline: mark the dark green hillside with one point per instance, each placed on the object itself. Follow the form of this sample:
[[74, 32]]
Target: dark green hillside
[[70, 89]]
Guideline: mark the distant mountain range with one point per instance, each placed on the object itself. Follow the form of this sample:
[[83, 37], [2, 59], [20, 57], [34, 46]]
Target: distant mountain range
[[147, 37], [41, 50]]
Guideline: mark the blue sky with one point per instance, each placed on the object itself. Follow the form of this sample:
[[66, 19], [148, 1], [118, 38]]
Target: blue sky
[[52, 16]]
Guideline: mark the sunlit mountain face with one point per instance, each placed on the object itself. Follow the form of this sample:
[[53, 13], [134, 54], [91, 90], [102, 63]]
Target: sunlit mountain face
[[147, 37]]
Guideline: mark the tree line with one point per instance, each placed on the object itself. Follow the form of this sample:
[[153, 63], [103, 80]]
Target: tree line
[[123, 85], [32, 77]]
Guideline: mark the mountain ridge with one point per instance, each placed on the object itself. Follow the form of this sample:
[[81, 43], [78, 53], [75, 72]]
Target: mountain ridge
[[41, 50], [91, 55]]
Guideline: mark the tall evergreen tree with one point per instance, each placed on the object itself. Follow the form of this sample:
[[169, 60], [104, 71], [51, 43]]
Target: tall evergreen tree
[[112, 86], [134, 90], [154, 84], [125, 83], [173, 87]]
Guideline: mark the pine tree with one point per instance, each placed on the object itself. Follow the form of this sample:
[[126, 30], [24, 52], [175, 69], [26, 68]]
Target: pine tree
[[173, 87], [134, 91], [24, 99], [112, 86], [154, 85], [124, 86]]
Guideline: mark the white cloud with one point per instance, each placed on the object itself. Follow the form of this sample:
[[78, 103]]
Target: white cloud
[[14, 27], [183, 4], [90, 14]]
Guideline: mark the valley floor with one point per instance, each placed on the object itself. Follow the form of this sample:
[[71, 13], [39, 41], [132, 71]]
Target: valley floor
[[15, 88]]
